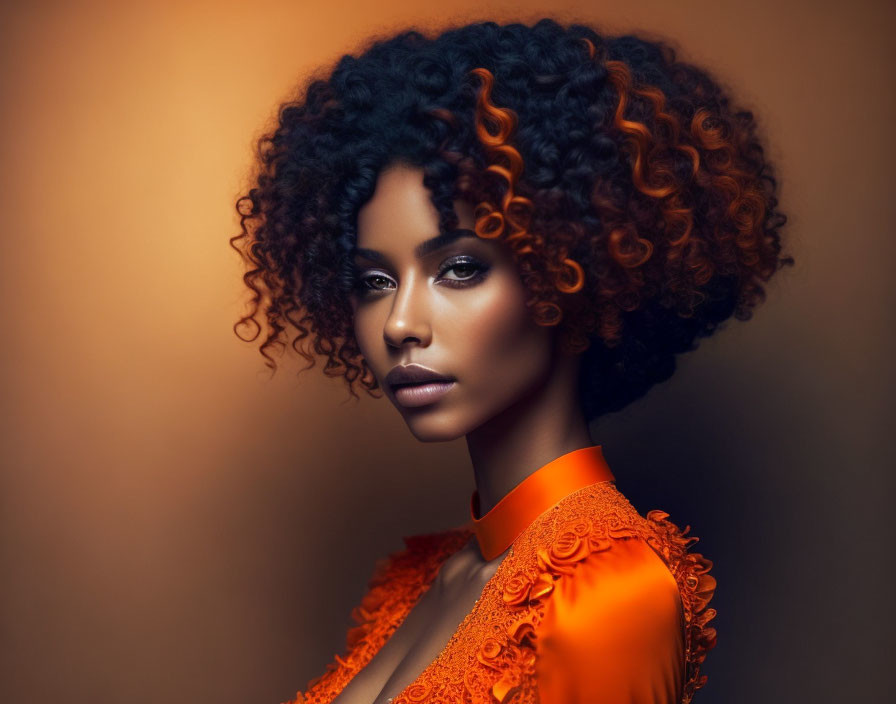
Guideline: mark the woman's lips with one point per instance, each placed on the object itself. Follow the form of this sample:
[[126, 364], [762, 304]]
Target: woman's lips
[[422, 394]]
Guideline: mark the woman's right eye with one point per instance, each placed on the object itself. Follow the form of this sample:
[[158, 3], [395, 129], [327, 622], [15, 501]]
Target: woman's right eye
[[373, 282]]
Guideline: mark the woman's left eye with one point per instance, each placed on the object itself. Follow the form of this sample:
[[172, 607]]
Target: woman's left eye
[[465, 271]]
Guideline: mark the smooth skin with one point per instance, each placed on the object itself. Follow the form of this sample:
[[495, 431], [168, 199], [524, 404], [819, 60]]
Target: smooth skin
[[457, 308]]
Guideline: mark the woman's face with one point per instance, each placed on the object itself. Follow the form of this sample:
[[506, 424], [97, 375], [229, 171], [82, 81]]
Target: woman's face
[[453, 304]]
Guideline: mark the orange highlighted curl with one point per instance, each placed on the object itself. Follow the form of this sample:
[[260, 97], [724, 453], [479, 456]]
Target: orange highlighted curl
[[494, 127]]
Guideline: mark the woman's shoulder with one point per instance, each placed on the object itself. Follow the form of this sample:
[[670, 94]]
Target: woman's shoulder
[[421, 556], [595, 528], [396, 583], [615, 625], [399, 577], [599, 519], [609, 580]]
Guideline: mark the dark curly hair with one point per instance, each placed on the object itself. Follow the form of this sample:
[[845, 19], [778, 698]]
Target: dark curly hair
[[638, 203]]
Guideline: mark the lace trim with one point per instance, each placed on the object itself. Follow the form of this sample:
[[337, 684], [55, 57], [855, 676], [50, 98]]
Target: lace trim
[[491, 656], [696, 586], [397, 583]]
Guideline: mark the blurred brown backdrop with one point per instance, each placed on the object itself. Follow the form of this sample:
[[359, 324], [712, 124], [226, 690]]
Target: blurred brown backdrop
[[178, 527]]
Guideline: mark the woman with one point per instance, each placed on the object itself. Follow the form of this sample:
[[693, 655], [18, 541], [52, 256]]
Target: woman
[[511, 231]]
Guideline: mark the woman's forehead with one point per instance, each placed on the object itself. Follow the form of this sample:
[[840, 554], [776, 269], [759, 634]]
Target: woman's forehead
[[401, 214]]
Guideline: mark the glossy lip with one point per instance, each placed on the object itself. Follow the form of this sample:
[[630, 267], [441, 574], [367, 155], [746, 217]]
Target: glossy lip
[[412, 395], [414, 385], [414, 374]]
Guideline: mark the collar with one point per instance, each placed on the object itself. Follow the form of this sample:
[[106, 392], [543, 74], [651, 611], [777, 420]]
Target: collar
[[497, 529]]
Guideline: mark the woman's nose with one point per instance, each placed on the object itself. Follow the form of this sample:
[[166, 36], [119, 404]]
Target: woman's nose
[[409, 317]]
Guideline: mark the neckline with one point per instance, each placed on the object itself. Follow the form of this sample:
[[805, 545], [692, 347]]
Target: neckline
[[545, 487]]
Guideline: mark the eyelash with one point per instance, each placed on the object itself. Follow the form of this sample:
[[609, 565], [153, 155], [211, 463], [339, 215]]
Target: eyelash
[[479, 272]]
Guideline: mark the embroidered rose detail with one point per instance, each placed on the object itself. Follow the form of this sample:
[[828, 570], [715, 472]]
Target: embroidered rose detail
[[489, 652], [567, 549], [516, 590], [580, 527], [417, 692], [597, 542]]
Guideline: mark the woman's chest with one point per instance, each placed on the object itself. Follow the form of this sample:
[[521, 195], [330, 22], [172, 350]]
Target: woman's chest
[[436, 620]]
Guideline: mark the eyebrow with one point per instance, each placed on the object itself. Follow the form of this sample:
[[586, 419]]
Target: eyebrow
[[422, 249]]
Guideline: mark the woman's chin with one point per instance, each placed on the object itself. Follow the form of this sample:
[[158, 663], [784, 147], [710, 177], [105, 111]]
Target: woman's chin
[[434, 427]]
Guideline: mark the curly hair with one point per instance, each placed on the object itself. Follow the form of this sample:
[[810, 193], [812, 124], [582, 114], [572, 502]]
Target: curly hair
[[638, 202]]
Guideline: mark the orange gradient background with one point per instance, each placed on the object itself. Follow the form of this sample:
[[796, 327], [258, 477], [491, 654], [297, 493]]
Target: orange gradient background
[[177, 526]]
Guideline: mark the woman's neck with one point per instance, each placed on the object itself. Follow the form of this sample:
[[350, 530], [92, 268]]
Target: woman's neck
[[534, 431]]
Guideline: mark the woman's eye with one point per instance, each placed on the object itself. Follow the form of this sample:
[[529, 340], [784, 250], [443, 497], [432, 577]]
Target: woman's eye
[[462, 272], [373, 282]]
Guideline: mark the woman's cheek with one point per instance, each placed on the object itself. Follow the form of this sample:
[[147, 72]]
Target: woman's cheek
[[510, 347]]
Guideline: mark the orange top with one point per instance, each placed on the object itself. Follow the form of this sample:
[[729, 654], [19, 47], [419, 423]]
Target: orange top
[[592, 604]]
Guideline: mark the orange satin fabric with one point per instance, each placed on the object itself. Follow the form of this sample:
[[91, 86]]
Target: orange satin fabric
[[593, 604], [614, 634]]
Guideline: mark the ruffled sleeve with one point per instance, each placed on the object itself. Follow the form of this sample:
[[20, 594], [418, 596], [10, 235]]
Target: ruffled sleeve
[[613, 631]]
